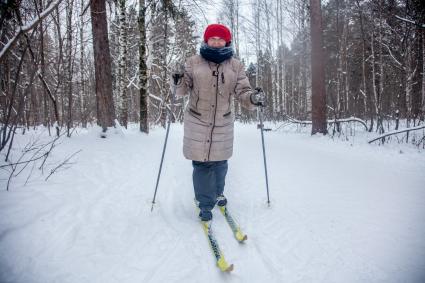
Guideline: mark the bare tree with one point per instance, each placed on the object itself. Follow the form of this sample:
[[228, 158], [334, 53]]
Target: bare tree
[[69, 66], [122, 64], [423, 76], [143, 79], [363, 88], [102, 61], [318, 70], [83, 115], [230, 16]]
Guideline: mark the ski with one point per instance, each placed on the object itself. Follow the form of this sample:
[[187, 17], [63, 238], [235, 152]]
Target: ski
[[239, 235], [221, 262]]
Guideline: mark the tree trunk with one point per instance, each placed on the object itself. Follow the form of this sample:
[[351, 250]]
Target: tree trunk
[[46, 122], [318, 70], [375, 92], [337, 110], [102, 63], [53, 96], [409, 76], [303, 62], [257, 40], [164, 91], [143, 80], [365, 93], [291, 104], [379, 124], [69, 65], [82, 83], [423, 76], [346, 71], [122, 94], [283, 101], [236, 34]]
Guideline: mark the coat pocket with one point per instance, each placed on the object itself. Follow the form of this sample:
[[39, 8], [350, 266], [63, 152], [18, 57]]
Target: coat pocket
[[195, 112]]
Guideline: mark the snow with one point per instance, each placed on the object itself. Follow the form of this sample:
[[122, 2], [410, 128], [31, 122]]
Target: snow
[[340, 212]]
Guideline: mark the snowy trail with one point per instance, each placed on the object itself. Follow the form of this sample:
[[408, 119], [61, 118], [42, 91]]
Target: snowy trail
[[339, 213]]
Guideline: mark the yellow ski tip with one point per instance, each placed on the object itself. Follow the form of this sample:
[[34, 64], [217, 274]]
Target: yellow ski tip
[[224, 266], [230, 268], [241, 237]]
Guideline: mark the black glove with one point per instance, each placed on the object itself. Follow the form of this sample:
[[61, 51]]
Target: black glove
[[177, 73], [176, 78], [258, 97]]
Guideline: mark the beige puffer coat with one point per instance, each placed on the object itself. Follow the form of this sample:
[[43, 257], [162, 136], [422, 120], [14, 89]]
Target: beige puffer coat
[[208, 118]]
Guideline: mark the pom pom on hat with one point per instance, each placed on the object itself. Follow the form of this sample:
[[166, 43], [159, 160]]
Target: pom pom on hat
[[217, 30]]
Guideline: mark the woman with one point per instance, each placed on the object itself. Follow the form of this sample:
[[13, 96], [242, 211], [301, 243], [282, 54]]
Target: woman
[[212, 79]]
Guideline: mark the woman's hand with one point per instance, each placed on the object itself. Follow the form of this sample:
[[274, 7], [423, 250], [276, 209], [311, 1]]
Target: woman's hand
[[177, 73], [258, 97]]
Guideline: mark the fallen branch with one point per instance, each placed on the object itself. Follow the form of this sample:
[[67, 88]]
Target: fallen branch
[[39, 152], [24, 162], [397, 132], [65, 162], [352, 119]]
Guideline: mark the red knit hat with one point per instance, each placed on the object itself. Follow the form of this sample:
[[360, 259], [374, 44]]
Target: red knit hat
[[217, 30]]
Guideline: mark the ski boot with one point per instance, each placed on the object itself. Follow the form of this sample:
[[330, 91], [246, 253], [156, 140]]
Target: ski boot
[[221, 200]]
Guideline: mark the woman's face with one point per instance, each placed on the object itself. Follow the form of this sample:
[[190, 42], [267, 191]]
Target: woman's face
[[216, 42]]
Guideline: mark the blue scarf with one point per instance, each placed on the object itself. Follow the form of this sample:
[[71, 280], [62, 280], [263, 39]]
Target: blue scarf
[[216, 55]]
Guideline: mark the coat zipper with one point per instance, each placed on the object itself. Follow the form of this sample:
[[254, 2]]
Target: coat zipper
[[215, 112]]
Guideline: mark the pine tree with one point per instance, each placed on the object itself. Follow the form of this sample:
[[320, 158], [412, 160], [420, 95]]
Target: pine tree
[[102, 61]]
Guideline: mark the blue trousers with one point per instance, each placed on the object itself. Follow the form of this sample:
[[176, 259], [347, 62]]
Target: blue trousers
[[208, 182]]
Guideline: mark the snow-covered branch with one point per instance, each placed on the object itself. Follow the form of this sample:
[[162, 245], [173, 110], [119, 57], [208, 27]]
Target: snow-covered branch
[[396, 132], [410, 21], [391, 54], [26, 28], [352, 119]]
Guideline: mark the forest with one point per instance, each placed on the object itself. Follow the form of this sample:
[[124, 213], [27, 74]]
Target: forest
[[73, 63]]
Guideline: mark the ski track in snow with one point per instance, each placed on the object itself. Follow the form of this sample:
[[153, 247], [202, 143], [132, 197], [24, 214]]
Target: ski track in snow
[[338, 213]]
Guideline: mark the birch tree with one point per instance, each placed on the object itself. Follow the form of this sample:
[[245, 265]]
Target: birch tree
[[143, 79], [122, 64]]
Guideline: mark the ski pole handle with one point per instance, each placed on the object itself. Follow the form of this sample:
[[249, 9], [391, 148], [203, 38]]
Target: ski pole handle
[[177, 77]]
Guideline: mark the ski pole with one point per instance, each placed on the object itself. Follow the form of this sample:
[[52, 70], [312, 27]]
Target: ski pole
[[176, 78], [260, 115]]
